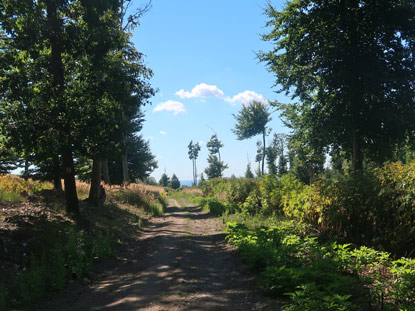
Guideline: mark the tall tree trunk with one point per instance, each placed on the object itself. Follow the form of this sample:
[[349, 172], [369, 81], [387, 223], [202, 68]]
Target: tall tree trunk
[[58, 85], [26, 169], [195, 174], [57, 182], [357, 159], [94, 192], [106, 172], [126, 178], [263, 151], [71, 196]]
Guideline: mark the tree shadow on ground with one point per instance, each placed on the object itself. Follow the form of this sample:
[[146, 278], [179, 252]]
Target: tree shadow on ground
[[172, 270]]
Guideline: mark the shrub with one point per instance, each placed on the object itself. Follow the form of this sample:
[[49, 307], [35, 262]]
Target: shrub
[[233, 190], [271, 195]]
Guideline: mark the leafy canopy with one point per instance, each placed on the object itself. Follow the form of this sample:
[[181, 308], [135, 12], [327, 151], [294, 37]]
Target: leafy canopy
[[351, 65]]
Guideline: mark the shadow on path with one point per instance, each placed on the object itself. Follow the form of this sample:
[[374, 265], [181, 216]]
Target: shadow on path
[[181, 263]]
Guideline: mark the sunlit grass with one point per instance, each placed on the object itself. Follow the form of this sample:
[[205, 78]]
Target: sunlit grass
[[14, 189]]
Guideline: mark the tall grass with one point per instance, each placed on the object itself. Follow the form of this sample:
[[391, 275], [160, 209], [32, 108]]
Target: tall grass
[[14, 188], [153, 203]]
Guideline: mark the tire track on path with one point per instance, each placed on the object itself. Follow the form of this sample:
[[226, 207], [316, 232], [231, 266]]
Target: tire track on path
[[179, 263]]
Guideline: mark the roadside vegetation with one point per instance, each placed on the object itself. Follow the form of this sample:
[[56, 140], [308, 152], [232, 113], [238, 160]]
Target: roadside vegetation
[[345, 242], [42, 249]]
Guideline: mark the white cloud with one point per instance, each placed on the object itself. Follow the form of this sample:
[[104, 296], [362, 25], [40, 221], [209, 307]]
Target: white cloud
[[170, 105], [202, 90], [201, 142], [163, 132], [247, 97]]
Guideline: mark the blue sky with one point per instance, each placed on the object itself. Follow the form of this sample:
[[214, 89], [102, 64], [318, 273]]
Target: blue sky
[[203, 57]]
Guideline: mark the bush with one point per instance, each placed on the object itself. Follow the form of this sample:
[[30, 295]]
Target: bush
[[233, 190], [216, 207], [271, 195]]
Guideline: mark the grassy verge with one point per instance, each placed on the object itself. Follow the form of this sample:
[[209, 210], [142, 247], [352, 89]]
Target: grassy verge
[[153, 203], [15, 189], [46, 249]]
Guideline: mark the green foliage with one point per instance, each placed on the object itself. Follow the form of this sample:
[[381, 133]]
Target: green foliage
[[270, 194], [153, 203], [326, 54], [233, 190], [252, 120], [175, 182], [72, 87], [55, 259], [323, 276], [248, 172], [309, 297], [14, 189], [215, 168], [193, 154], [403, 271], [164, 180], [287, 261], [216, 207], [140, 161], [373, 208]]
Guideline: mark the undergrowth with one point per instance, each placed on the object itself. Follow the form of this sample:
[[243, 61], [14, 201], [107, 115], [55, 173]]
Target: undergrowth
[[58, 253], [322, 276], [153, 203], [15, 189], [52, 249]]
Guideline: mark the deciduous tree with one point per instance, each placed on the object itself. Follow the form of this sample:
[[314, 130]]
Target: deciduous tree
[[351, 66], [252, 120]]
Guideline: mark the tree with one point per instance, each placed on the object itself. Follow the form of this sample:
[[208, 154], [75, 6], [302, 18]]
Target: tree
[[282, 165], [252, 120], [175, 182], [141, 162], [271, 155], [164, 180], [36, 44], [274, 152], [216, 166], [351, 65], [214, 145], [193, 154], [72, 84], [248, 173]]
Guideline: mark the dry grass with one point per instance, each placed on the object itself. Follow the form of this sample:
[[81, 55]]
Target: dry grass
[[142, 188], [193, 191]]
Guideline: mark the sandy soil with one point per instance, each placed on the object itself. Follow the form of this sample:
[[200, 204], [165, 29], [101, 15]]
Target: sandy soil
[[180, 262]]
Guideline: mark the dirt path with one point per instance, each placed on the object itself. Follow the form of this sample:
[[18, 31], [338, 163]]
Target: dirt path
[[180, 263]]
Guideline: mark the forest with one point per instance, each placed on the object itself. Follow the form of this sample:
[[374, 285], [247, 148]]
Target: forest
[[325, 222]]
